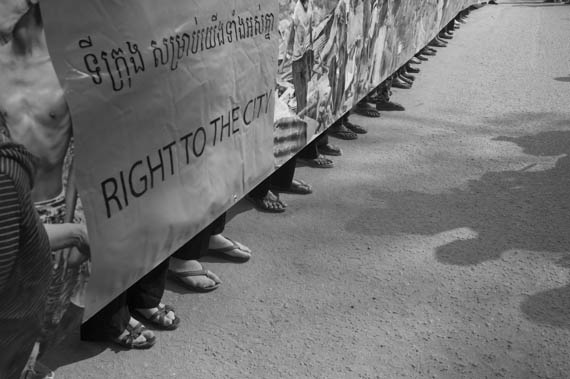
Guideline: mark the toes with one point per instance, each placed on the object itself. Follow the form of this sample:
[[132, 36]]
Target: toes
[[213, 277]]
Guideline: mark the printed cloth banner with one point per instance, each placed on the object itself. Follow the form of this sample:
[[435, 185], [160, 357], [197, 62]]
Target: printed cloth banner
[[332, 53], [172, 109], [181, 107]]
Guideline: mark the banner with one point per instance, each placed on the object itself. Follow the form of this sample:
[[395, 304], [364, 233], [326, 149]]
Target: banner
[[332, 53], [172, 109], [181, 107]]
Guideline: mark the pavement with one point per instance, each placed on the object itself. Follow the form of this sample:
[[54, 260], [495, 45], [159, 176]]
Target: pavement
[[438, 247]]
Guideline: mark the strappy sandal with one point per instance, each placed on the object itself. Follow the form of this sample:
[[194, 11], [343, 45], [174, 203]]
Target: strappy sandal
[[158, 318], [128, 340], [268, 203]]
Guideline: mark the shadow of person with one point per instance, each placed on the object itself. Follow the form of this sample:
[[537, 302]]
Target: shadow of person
[[550, 307], [523, 209], [72, 349]]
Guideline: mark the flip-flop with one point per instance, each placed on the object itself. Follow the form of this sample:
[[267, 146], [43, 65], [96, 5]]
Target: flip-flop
[[342, 132], [319, 162], [297, 187], [367, 112], [158, 318], [178, 276], [355, 128], [260, 203], [223, 252], [329, 149]]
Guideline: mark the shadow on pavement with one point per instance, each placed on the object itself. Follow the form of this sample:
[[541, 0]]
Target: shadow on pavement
[[549, 307], [508, 210], [521, 209], [563, 79], [72, 349]]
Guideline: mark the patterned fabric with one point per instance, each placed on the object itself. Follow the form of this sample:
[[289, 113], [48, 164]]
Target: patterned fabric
[[23, 293], [25, 266]]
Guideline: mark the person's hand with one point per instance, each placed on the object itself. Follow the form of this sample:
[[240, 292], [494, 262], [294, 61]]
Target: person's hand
[[82, 243], [82, 251], [71, 240]]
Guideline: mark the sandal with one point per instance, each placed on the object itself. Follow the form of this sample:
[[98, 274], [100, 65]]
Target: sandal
[[340, 131], [365, 109], [268, 203], [319, 162], [158, 318], [355, 128], [128, 340], [179, 276], [329, 149], [297, 187], [224, 252]]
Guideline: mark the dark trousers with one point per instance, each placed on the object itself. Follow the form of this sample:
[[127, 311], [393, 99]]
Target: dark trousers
[[282, 177], [112, 320], [198, 246], [311, 151]]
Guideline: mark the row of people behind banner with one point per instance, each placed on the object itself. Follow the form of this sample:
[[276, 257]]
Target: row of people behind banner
[[38, 217]]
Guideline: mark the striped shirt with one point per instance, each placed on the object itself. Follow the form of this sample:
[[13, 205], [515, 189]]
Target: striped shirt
[[25, 257]]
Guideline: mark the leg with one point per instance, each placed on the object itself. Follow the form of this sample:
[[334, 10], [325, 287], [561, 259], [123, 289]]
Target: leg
[[325, 148], [283, 180], [114, 323], [184, 265], [283, 177], [338, 130], [109, 322], [311, 157], [264, 199], [144, 299], [224, 246], [148, 291]]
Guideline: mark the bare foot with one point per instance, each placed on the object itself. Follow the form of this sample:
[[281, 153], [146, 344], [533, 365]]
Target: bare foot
[[204, 282], [228, 248]]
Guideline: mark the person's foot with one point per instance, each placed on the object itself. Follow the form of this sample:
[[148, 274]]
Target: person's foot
[[492, 2], [444, 35], [420, 57], [437, 42], [296, 187], [355, 128], [340, 131], [415, 60], [407, 76], [412, 69], [268, 203], [228, 248], [135, 336], [389, 106], [162, 316], [365, 109], [398, 83], [319, 162], [192, 275], [434, 43], [331, 150]]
